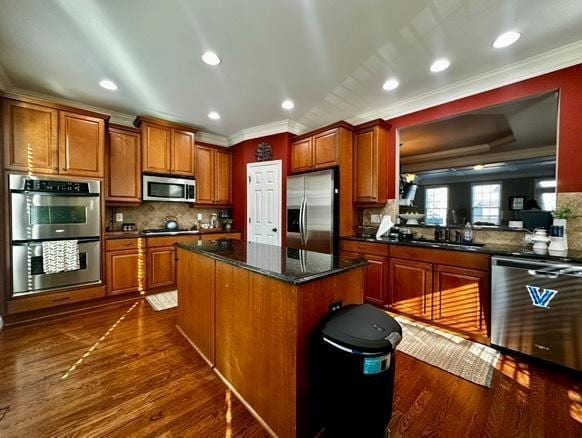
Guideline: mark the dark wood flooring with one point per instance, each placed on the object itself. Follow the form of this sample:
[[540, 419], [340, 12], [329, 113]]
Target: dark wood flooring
[[125, 370]]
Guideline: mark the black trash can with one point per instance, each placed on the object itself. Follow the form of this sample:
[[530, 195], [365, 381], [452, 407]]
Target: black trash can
[[356, 369]]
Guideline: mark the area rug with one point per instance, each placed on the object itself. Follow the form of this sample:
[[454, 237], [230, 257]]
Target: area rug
[[164, 300], [471, 361]]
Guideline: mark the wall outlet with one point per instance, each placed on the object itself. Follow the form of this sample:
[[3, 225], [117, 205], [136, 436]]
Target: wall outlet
[[118, 217], [199, 216]]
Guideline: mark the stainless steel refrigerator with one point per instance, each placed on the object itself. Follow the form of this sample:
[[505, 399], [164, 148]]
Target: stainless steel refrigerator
[[312, 211]]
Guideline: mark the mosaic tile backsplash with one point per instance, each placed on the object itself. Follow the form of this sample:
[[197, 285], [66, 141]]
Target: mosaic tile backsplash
[[152, 214]]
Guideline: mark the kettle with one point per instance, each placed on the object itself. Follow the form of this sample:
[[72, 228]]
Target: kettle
[[171, 222]]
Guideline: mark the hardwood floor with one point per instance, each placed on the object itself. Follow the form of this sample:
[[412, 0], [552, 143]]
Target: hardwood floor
[[125, 370]]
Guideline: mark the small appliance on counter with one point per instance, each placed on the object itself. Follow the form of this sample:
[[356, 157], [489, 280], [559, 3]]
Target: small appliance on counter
[[171, 223], [405, 234], [128, 226]]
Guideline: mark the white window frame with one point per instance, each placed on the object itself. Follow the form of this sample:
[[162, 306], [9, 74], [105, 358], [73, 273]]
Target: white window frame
[[426, 208], [539, 191], [500, 207]]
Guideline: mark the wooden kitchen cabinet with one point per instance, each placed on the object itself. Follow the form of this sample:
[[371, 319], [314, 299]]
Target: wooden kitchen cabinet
[[301, 155], [325, 148], [411, 287], [30, 137], [125, 266], [167, 148], [460, 298], [81, 145], [371, 163], [161, 267], [123, 165], [42, 137], [378, 270], [213, 175]]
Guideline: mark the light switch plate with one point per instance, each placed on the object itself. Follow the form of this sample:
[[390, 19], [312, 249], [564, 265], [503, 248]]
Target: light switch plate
[[118, 217], [375, 218]]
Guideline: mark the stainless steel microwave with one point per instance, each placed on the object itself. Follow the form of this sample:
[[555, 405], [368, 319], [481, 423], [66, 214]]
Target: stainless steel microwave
[[161, 188]]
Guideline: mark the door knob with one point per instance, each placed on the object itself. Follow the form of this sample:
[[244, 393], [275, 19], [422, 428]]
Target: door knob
[[274, 230]]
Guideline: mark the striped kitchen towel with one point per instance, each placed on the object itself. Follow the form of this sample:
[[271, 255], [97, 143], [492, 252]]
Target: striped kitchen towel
[[60, 256]]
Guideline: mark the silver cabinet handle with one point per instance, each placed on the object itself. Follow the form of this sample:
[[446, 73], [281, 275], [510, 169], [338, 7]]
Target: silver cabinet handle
[[540, 274]]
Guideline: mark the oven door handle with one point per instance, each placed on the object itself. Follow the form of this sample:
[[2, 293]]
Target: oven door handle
[[39, 242]]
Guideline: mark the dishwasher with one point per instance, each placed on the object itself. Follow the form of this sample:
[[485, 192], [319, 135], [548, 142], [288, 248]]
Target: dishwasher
[[536, 309]]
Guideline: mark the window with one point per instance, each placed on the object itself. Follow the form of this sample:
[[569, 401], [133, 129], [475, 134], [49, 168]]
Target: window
[[486, 199], [437, 204], [546, 194]]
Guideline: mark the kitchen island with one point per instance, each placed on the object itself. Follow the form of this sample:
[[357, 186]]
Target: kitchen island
[[251, 311]]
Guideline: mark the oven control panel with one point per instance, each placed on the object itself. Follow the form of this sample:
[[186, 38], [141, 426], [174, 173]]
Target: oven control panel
[[39, 185]]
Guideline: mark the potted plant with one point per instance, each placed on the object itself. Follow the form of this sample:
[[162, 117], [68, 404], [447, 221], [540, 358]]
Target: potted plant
[[561, 216], [228, 224]]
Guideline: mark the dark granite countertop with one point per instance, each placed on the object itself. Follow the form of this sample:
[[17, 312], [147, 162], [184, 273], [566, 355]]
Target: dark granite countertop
[[491, 249], [286, 264], [136, 234]]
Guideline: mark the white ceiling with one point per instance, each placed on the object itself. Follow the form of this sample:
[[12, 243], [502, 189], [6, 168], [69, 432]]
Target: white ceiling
[[330, 57]]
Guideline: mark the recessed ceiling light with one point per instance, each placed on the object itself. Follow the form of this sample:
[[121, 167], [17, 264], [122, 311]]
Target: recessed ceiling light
[[211, 58], [213, 115], [390, 84], [108, 85], [440, 65], [506, 39], [288, 105], [478, 167]]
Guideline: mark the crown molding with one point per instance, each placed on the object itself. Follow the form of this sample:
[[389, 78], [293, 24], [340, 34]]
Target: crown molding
[[217, 140], [547, 62], [272, 128]]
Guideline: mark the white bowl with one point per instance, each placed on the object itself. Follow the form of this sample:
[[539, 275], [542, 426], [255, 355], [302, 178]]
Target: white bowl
[[411, 218]]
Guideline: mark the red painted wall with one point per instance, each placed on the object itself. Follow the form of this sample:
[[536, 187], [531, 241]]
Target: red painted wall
[[244, 153], [567, 81]]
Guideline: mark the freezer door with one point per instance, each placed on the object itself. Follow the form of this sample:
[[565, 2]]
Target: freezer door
[[318, 211], [295, 203], [536, 309]]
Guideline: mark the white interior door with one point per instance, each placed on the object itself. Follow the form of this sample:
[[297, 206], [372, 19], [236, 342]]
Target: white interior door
[[264, 202]]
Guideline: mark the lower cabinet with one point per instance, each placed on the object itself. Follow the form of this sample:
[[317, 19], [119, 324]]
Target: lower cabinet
[[125, 266], [410, 287], [161, 263]]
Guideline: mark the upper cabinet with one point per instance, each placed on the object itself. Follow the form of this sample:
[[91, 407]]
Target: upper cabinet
[[371, 163], [43, 138], [213, 175], [321, 149], [167, 148], [81, 144], [123, 183]]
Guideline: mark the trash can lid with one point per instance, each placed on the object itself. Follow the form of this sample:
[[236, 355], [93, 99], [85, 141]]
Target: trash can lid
[[363, 328]]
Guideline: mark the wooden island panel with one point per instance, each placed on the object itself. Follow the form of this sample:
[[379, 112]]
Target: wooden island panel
[[256, 331]]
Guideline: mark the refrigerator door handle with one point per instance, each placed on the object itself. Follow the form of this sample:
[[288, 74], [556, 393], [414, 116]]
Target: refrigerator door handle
[[303, 220]]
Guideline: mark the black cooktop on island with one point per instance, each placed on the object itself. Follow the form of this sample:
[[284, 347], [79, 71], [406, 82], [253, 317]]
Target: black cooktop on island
[[168, 232], [295, 266]]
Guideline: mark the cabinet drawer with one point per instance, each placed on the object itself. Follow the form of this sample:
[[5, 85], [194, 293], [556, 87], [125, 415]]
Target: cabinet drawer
[[380, 249], [155, 242], [45, 301], [121, 244], [218, 236], [459, 259]]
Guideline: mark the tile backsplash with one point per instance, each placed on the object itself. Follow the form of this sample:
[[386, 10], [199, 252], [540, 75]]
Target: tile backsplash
[[152, 214]]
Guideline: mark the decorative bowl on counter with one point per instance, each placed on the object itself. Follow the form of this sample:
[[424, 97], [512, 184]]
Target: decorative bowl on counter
[[411, 218]]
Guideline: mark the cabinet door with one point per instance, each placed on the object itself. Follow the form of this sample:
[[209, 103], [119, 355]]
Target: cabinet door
[[377, 276], [124, 166], [460, 298], [125, 272], [365, 159], [81, 145], [161, 267], [182, 152], [301, 155], [204, 175], [156, 149], [222, 172], [325, 149], [30, 137], [411, 287]]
